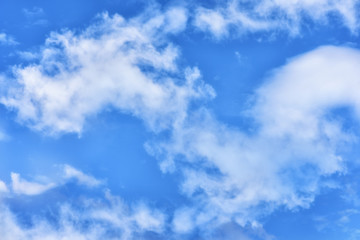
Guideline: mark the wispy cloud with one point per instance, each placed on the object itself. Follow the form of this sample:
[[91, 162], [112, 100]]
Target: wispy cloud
[[5, 39], [109, 219], [66, 173], [241, 17], [72, 173], [106, 216], [33, 12], [21, 186], [231, 174]]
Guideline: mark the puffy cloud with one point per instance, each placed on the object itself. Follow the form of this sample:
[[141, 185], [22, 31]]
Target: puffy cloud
[[176, 20], [183, 221], [148, 219], [274, 15], [114, 63], [296, 143]]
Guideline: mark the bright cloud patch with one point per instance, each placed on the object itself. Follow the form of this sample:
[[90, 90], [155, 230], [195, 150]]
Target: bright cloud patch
[[72, 173], [21, 186], [295, 140], [73, 216], [286, 161], [108, 218], [114, 63], [277, 15], [67, 173], [3, 187]]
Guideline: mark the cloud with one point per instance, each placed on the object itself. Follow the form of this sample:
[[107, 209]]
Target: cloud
[[76, 216], [7, 40], [35, 16], [230, 175], [21, 186], [3, 187], [296, 143], [28, 56], [72, 173], [108, 218], [67, 173], [274, 16], [114, 63], [183, 220], [33, 12]]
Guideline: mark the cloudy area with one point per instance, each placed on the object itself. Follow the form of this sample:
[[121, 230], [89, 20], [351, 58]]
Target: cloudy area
[[212, 120]]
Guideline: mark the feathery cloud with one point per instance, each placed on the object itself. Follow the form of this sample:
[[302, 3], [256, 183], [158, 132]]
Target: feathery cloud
[[241, 17]]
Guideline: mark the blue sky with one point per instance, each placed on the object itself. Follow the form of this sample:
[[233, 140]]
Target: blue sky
[[180, 119]]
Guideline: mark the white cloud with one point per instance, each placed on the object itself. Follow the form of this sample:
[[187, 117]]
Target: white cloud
[[82, 178], [119, 64], [7, 40], [274, 16], [21, 186], [103, 216], [35, 16], [176, 20], [297, 143], [128, 66], [212, 21], [28, 56], [102, 220], [183, 221], [148, 219], [24, 187], [3, 187], [303, 90]]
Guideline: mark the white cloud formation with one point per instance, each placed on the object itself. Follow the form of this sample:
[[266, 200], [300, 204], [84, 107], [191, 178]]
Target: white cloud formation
[[296, 144], [3, 187], [183, 221], [5, 39], [274, 15], [125, 65], [21, 186], [148, 219], [82, 178], [78, 217], [232, 175], [109, 218], [67, 173]]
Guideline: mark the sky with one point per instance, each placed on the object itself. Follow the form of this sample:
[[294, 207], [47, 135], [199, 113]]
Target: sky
[[168, 120]]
